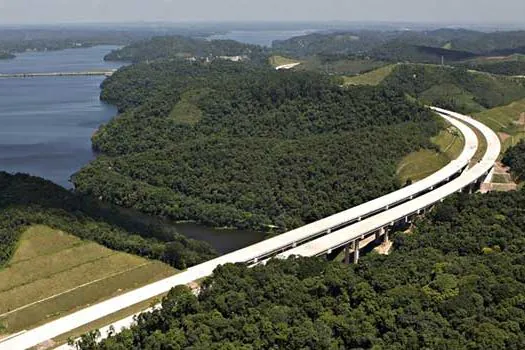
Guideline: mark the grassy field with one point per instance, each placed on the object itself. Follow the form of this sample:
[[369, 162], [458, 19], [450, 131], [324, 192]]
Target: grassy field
[[348, 67], [374, 77], [500, 179], [277, 61], [54, 273], [508, 121], [423, 163], [462, 98], [186, 110]]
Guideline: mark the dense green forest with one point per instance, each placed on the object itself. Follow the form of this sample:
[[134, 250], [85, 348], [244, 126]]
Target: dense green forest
[[27, 200], [185, 47], [399, 51], [455, 88], [229, 144], [455, 282], [414, 46], [507, 66], [515, 159]]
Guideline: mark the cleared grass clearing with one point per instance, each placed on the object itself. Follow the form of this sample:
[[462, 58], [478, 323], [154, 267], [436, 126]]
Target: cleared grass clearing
[[53, 274], [454, 93], [418, 165], [348, 67], [500, 179], [508, 121], [374, 77], [186, 110], [277, 61]]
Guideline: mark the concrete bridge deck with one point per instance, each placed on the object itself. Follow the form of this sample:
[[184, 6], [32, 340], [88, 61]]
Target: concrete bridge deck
[[356, 236], [57, 74], [345, 231]]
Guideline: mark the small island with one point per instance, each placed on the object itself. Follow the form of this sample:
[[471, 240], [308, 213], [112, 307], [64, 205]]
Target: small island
[[6, 56]]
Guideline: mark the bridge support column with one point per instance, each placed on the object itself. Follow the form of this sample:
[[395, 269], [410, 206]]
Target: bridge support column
[[355, 245], [387, 237], [347, 254], [380, 233]]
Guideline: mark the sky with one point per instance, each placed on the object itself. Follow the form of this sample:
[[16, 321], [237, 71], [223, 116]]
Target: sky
[[429, 11]]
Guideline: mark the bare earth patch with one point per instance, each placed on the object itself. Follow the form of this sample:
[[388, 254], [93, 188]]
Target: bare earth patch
[[501, 180], [496, 58], [46, 345], [521, 120], [503, 136], [384, 248]]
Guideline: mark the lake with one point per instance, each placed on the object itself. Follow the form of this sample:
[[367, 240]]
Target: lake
[[46, 123], [261, 37], [46, 126]]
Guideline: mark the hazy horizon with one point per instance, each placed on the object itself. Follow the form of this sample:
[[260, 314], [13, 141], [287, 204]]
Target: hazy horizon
[[446, 12]]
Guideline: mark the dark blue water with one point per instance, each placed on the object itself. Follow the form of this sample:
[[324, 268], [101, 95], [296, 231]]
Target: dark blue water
[[70, 60], [46, 126], [260, 37], [46, 123]]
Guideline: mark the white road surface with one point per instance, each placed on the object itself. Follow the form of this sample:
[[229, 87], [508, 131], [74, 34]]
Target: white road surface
[[375, 223], [260, 250]]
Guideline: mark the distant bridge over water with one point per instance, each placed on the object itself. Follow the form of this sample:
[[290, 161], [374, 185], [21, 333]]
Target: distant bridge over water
[[106, 73]]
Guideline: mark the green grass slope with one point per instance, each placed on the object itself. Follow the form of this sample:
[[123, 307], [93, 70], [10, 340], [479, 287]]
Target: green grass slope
[[53, 273]]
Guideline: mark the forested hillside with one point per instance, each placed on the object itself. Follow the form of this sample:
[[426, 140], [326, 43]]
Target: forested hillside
[[455, 88], [47, 38], [416, 46], [29, 200], [400, 51], [185, 47], [515, 159], [511, 65], [228, 144], [456, 282]]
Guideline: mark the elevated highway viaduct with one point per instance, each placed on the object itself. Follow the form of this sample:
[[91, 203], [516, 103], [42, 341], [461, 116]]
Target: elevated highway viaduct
[[357, 236], [342, 229]]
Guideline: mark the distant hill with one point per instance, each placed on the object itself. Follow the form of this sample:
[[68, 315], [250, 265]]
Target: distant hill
[[413, 46], [165, 47], [504, 65], [237, 145], [398, 51], [455, 88]]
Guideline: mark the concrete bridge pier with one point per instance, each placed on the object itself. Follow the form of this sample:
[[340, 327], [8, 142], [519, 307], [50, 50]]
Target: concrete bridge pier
[[355, 246], [347, 254]]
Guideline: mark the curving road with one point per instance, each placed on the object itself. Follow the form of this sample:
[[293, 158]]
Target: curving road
[[397, 202], [375, 226]]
